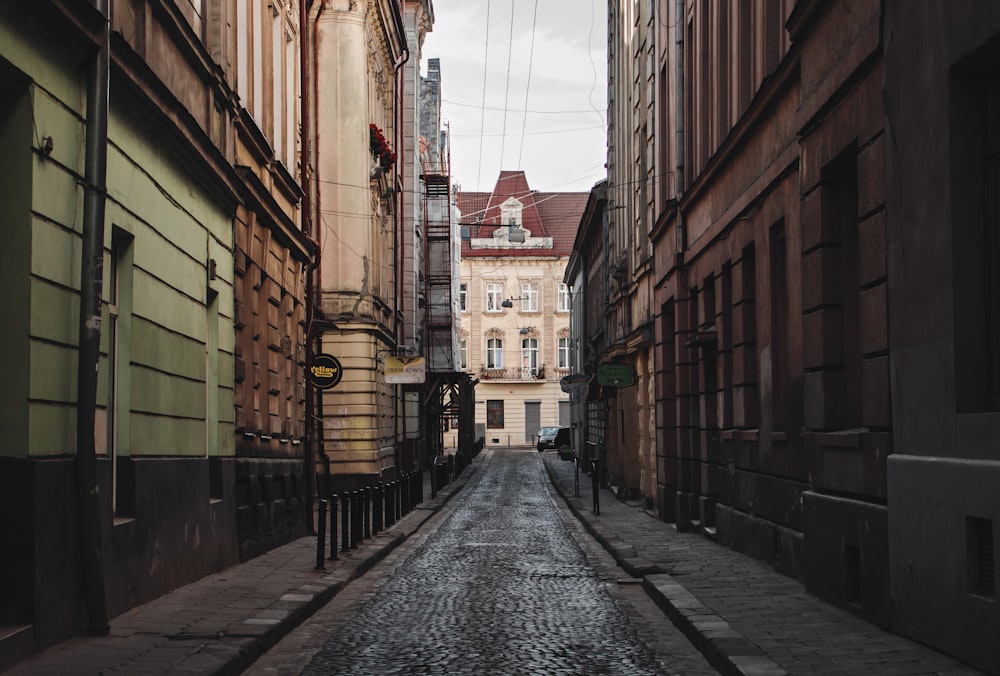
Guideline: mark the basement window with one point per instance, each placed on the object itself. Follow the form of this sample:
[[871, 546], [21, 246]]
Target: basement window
[[979, 557]]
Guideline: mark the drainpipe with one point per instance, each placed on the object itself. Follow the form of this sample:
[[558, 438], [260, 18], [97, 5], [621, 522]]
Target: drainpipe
[[91, 277], [399, 197], [679, 116], [309, 447]]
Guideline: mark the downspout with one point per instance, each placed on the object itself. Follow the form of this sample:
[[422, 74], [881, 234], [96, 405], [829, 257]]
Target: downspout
[[91, 279], [679, 116], [316, 8], [309, 447], [399, 197]]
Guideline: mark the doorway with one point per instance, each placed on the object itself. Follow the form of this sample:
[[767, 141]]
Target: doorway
[[532, 420]]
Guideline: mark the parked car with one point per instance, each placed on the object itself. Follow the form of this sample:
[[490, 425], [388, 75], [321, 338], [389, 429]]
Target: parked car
[[552, 437]]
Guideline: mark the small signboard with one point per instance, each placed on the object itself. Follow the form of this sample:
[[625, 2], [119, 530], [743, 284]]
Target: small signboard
[[615, 375], [405, 370], [574, 382], [325, 371]]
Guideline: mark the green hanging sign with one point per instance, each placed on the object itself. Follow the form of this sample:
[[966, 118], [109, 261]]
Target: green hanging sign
[[615, 375]]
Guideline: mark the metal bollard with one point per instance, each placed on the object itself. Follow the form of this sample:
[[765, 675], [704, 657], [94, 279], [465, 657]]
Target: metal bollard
[[333, 528], [404, 489], [397, 499], [420, 485], [345, 515], [367, 515], [595, 486], [390, 509], [321, 536], [355, 520], [377, 508]]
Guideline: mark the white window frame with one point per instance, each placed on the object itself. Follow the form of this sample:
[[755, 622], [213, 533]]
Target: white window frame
[[562, 304], [494, 297], [529, 357], [563, 360], [494, 353], [529, 296], [463, 352], [463, 297]]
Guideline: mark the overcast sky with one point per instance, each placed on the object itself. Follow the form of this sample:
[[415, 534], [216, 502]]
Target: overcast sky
[[561, 82]]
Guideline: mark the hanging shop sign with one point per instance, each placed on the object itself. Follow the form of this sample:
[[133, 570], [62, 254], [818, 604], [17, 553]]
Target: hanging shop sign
[[324, 371], [615, 375], [405, 370], [574, 382]]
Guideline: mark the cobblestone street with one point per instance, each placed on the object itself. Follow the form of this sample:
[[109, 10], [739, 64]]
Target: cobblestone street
[[503, 581]]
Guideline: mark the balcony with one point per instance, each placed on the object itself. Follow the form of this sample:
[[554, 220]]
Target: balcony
[[516, 373]]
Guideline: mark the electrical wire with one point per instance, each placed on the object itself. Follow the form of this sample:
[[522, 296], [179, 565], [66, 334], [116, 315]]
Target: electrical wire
[[482, 118], [506, 95], [527, 87]]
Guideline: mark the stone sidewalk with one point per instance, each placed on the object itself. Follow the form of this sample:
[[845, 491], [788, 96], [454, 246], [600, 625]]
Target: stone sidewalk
[[744, 616], [223, 622]]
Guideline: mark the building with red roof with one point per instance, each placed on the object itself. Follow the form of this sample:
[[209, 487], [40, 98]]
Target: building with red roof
[[514, 328]]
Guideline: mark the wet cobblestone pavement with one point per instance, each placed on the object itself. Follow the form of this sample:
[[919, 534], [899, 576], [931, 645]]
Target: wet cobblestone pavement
[[505, 582]]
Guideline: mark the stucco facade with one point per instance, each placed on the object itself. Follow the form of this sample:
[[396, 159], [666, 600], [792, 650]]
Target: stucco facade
[[201, 196], [516, 252], [359, 156]]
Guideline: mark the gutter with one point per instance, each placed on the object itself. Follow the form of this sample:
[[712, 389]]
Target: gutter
[[305, 76], [400, 313], [91, 279]]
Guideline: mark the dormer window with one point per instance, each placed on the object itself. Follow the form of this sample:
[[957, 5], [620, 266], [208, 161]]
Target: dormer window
[[510, 212]]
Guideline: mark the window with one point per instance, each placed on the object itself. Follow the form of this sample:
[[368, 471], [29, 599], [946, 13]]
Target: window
[[463, 351], [975, 217], [529, 297], [529, 357], [494, 413], [257, 31], [839, 211], [243, 40], [564, 353], [463, 297], [563, 302], [119, 355], [494, 353], [494, 297], [779, 326], [277, 86]]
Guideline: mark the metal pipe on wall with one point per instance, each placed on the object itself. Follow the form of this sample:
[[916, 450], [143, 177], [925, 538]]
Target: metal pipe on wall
[[91, 280]]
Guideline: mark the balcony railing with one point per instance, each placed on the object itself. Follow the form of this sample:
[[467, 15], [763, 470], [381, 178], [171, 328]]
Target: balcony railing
[[513, 373]]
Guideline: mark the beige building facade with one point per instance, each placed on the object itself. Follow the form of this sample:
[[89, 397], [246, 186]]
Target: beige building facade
[[359, 50], [514, 334]]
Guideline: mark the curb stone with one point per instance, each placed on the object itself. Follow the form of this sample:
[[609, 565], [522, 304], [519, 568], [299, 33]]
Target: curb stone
[[726, 649]]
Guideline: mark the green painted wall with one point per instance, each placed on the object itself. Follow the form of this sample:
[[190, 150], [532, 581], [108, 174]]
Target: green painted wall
[[175, 228], [15, 226]]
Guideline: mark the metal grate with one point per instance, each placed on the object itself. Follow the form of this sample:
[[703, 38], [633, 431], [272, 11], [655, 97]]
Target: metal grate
[[982, 565]]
